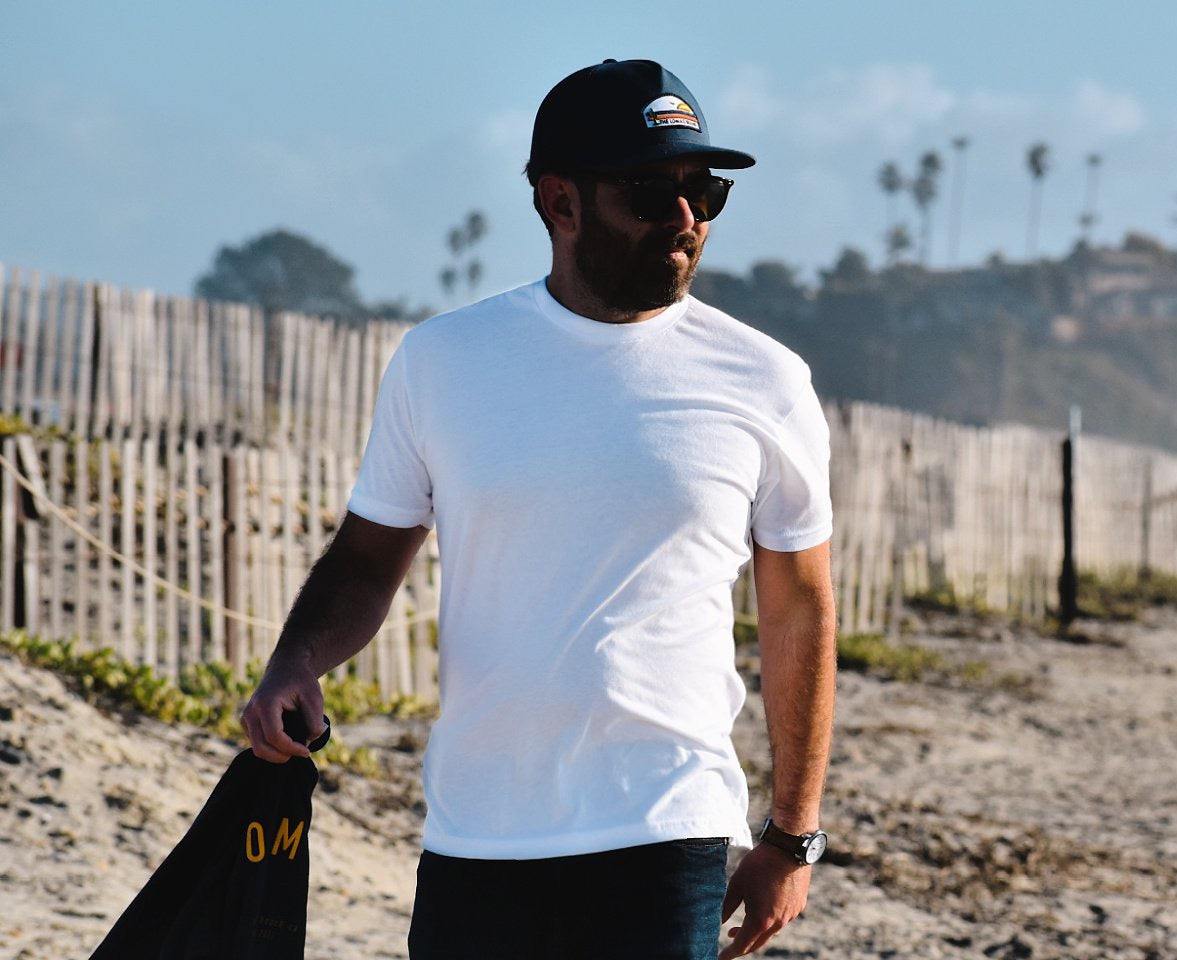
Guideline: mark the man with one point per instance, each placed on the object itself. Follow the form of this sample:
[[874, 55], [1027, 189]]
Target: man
[[601, 454]]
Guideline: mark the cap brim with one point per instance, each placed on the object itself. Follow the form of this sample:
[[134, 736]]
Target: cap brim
[[716, 157]]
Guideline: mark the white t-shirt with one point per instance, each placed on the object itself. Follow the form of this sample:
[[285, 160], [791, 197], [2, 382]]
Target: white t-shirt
[[594, 486]]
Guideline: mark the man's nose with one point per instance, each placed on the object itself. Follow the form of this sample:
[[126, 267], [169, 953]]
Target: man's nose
[[680, 214]]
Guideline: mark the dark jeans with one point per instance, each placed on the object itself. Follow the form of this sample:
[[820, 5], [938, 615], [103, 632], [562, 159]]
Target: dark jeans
[[655, 902]]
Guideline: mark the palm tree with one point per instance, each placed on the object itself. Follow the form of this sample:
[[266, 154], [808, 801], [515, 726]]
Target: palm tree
[[898, 243], [891, 182], [923, 191], [460, 240], [960, 145], [475, 226], [1088, 218], [1038, 161]]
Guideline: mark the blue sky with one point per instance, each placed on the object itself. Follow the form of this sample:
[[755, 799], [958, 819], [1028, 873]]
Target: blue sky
[[137, 137]]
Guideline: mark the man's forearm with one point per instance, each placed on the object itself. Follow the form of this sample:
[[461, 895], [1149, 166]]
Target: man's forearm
[[798, 663], [347, 594], [335, 615], [797, 666]]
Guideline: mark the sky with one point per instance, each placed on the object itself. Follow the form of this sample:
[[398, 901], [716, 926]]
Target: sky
[[137, 138]]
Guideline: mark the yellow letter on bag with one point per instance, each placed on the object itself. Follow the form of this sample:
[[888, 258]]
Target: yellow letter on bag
[[255, 843], [285, 839]]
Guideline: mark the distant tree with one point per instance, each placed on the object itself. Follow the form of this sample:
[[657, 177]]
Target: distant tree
[[891, 183], [923, 192], [960, 145], [1038, 162], [475, 226], [1137, 242], [774, 276], [397, 310], [898, 243], [460, 239], [281, 270], [850, 269], [1087, 218]]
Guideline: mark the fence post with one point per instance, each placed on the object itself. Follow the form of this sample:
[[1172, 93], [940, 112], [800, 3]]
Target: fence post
[[1068, 582], [1146, 524], [234, 648]]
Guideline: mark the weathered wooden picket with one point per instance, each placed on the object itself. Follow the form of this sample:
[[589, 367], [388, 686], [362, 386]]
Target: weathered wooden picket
[[202, 456]]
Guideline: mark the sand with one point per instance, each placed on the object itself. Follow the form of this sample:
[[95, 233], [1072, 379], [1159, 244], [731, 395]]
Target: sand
[[1022, 811]]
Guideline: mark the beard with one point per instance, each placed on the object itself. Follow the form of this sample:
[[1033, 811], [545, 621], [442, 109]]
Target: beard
[[633, 275]]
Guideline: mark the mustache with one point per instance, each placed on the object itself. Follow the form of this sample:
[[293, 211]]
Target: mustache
[[688, 243]]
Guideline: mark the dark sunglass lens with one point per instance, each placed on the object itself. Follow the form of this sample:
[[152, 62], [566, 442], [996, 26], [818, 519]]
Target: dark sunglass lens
[[653, 198], [706, 197]]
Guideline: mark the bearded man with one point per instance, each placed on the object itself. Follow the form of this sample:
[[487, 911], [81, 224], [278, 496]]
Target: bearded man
[[601, 455]]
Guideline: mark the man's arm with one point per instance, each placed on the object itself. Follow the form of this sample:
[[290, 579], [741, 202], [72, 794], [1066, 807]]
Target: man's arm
[[795, 607], [339, 609]]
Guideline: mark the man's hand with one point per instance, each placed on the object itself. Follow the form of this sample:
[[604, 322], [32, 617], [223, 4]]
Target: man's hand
[[338, 610], [773, 888], [285, 686]]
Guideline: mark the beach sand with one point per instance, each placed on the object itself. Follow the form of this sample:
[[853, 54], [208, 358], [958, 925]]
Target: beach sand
[[1025, 809]]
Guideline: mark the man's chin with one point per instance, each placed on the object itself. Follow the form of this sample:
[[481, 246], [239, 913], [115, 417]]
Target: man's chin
[[655, 298]]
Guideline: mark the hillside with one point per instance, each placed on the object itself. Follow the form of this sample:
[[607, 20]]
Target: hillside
[[1004, 342]]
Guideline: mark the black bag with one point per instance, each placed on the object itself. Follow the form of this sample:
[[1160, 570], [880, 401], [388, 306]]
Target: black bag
[[235, 887]]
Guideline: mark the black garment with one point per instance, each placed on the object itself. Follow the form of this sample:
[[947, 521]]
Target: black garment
[[235, 887], [658, 901]]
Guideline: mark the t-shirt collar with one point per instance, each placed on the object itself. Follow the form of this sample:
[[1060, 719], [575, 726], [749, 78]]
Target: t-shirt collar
[[596, 330]]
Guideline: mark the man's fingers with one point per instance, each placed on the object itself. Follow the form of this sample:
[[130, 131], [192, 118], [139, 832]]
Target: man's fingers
[[741, 943], [748, 938], [764, 936], [261, 748], [262, 720], [274, 734]]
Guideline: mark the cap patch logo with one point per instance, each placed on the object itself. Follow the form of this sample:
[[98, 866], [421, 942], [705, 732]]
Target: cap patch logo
[[671, 112]]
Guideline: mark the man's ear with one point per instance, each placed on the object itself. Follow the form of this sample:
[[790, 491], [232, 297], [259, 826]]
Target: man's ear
[[560, 201]]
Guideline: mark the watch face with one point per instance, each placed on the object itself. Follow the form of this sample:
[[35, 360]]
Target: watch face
[[815, 848]]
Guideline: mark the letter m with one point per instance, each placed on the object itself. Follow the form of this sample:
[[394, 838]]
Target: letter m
[[287, 840]]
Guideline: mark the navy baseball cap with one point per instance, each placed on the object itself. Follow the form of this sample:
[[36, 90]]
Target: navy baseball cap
[[618, 115]]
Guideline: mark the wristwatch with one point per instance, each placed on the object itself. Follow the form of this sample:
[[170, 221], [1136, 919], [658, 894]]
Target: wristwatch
[[806, 849]]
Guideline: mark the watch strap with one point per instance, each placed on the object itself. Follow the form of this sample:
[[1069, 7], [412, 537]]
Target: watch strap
[[796, 846]]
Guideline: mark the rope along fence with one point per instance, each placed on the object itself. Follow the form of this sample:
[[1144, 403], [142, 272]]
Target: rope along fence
[[185, 555]]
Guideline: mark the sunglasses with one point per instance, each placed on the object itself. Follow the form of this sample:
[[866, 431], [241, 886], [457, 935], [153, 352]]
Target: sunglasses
[[655, 197]]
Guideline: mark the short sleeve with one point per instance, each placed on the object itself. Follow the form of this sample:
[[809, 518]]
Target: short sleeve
[[792, 509], [393, 487]]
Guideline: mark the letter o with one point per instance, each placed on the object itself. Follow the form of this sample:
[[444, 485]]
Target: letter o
[[255, 843]]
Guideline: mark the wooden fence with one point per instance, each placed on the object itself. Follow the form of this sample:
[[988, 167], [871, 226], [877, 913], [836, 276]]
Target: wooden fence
[[97, 361], [178, 552], [203, 458], [928, 507]]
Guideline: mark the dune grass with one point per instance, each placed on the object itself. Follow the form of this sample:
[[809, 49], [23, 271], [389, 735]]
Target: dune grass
[[205, 695]]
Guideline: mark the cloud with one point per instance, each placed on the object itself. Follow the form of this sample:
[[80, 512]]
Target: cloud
[[887, 102], [328, 168], [84, 126], [1105, 112], [509, 131]]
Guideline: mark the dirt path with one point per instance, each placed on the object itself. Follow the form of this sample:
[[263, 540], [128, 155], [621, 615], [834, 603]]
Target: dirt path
[[1025, 812]]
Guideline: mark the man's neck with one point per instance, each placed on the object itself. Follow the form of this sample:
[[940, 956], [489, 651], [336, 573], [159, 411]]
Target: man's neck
[[573, 294]]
